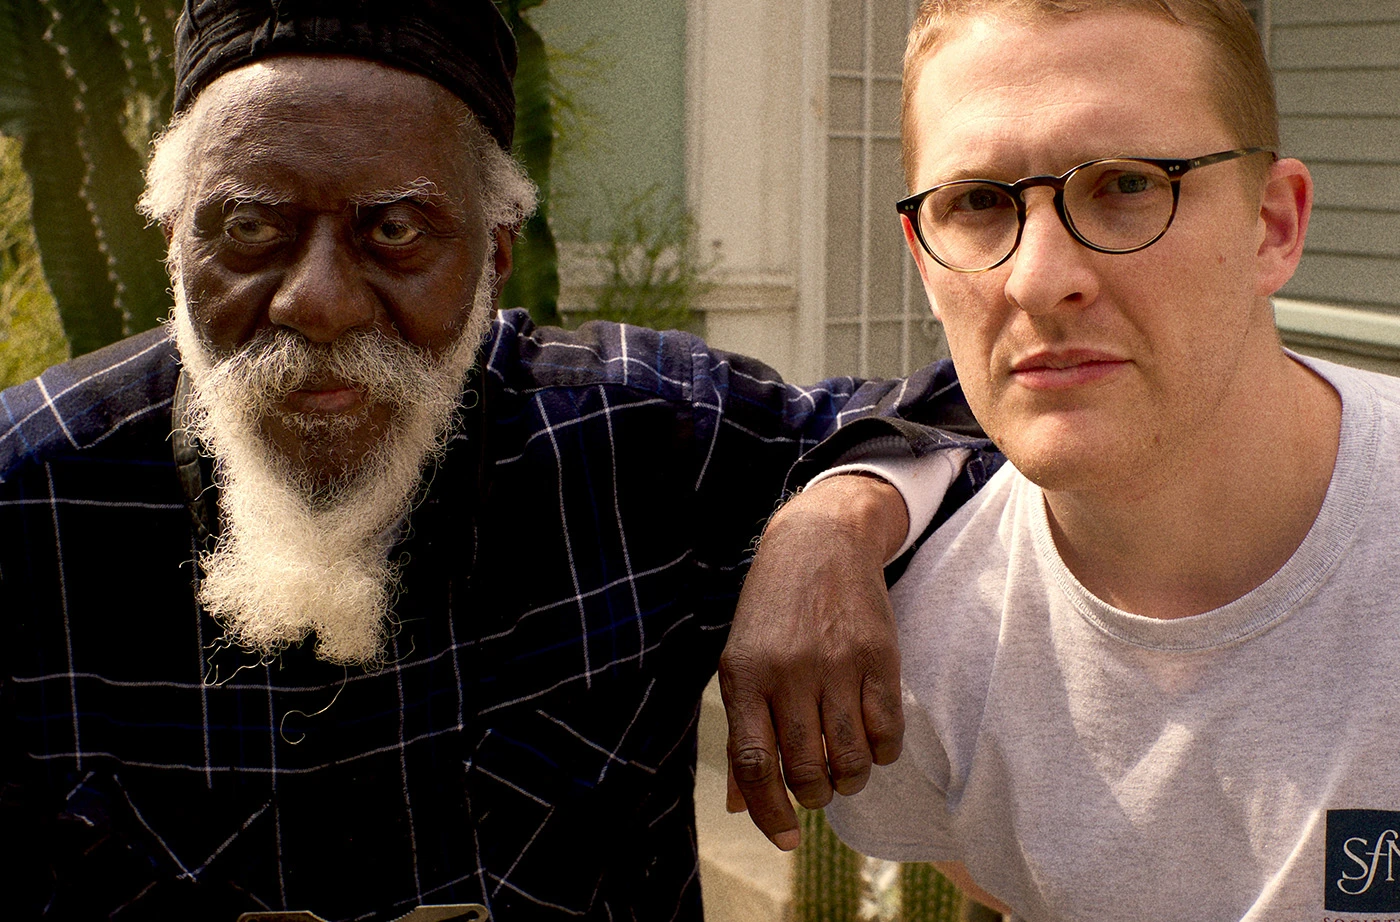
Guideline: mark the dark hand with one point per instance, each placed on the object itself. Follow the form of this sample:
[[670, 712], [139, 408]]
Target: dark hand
[[812, 666]]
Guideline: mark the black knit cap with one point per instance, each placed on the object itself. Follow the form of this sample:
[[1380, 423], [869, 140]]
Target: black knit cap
[[464, 45]]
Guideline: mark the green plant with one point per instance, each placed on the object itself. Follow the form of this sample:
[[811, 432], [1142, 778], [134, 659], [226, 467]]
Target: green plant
[[927, 896], [652, 271], [85, 86], [827, 880], [31, 337], [534, 280]]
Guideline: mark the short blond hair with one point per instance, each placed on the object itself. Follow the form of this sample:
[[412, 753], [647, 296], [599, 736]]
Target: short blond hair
[[1239, 77]]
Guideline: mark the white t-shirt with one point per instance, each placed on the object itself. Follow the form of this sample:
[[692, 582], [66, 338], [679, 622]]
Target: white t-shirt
[[1090, 764]]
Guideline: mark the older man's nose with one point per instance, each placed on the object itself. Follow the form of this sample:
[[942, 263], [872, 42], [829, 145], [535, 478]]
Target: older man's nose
[[323, 293]]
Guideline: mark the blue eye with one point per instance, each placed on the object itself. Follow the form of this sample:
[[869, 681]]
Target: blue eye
[[977, 198], [984, 198], [1131, 183]]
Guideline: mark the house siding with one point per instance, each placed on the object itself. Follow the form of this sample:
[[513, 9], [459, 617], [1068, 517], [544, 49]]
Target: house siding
[[1337, 69]]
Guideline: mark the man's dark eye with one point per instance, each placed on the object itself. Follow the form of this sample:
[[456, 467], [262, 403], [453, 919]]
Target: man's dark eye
[[251, 231], [394, 233]]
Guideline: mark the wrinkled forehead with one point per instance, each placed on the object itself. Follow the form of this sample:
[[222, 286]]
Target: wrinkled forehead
[[1007, 96], [326, 89], [338, 120]]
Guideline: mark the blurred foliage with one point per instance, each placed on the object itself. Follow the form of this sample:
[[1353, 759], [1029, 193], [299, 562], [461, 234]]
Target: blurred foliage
[[85, 86], [831, 884], [827, 880], [31, 337], [534, 280], [927, 896], [653, 272]]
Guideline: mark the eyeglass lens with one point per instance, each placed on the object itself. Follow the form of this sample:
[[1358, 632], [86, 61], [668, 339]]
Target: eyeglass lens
[[1112, 205]]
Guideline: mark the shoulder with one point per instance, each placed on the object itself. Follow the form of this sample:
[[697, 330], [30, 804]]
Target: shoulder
[[524, 358], [80, 404], [949, 604], [1356, 383]]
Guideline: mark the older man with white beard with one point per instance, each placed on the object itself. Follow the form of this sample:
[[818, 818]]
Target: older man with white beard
[[341, 595]]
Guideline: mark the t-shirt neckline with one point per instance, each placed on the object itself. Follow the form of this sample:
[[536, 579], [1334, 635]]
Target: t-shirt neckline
[[1331, 533]]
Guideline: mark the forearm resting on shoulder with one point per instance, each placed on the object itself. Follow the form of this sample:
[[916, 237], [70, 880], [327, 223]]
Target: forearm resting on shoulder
[[810, 675], [862, 510]]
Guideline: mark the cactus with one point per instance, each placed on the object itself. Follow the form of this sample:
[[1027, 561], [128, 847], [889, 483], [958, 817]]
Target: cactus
[[87, 83], [927, 896], [827, 878], [30, 336], [828, 884]]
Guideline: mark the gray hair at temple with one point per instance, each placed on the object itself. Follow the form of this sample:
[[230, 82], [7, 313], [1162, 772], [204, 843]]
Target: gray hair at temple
[[508, 195]]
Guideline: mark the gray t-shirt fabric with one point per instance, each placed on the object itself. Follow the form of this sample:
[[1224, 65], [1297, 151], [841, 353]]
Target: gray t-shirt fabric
[[1090, 764]]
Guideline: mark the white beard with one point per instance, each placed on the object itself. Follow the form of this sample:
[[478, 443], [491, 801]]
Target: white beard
[[297, 555]]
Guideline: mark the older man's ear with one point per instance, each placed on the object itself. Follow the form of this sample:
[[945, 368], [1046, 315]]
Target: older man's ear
[[505, 261]]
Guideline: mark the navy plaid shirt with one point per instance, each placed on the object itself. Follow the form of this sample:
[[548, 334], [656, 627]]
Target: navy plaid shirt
[[568, 585]]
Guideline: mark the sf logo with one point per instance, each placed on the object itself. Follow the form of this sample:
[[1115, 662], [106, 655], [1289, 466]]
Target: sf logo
[[1387, 849]]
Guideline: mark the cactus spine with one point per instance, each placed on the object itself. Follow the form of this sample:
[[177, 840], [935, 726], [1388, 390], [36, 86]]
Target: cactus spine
[[827, 879], [91, 76]]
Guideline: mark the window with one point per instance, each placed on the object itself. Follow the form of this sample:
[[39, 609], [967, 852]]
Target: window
[[877, 318]]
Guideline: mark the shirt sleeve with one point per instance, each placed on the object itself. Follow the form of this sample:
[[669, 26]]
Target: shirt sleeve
[[922, 482]]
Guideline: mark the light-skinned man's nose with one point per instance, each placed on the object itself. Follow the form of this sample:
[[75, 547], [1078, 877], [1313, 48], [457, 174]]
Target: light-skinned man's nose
[[1050, 269], [323, 294]]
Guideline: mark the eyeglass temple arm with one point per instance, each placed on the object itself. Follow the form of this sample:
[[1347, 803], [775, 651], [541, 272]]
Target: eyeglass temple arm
[[1208, 159]]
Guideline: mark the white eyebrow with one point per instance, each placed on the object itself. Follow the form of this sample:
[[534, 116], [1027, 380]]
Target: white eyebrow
[[236, 190], [419, 189]]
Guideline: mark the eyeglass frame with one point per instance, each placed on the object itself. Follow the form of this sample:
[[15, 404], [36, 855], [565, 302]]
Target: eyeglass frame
[[1175, 169]]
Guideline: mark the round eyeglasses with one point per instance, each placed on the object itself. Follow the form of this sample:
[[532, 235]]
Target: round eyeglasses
[[1117, 205]]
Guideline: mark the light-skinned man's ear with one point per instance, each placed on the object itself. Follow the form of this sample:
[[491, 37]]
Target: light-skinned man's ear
[[916, 250], [1284, 211], [810, 674]]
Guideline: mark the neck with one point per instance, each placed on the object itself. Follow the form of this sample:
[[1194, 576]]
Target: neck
[[1217, 518]]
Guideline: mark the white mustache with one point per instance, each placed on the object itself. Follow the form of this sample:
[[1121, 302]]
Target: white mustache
[[277, 362]]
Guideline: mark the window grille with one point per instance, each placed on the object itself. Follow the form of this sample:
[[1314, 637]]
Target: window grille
[[877, 317]]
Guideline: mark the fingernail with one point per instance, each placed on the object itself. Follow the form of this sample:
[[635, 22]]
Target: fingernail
[[787, 839]]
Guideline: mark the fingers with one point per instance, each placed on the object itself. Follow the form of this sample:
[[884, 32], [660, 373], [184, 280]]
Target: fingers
[[803, 751], [824, 744], [847, 748], [759, 778], [883, 711], [753, 759], [733, 797]]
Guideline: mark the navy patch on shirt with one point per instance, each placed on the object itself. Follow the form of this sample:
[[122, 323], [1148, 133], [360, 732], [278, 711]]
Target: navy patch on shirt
[[1363, 859]]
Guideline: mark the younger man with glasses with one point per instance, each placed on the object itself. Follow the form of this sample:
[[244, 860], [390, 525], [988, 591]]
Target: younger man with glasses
[[1150, 670]]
